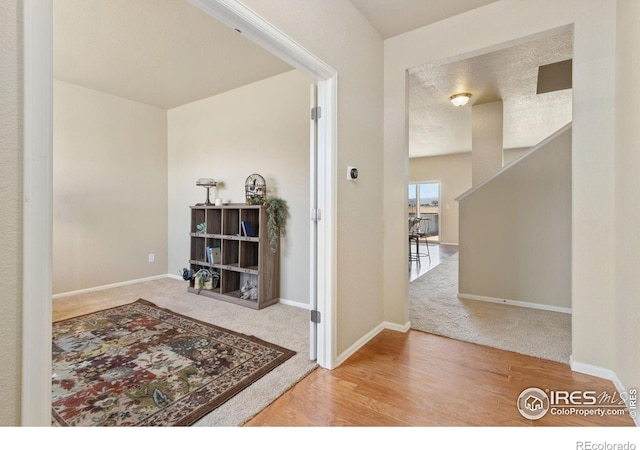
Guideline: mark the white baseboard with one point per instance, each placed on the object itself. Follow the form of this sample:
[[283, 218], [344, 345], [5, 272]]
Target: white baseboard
[[455, 244], [590, 369], [175, 277], [370, 335], [397, 327], [109, 286], [342, 357], [506, 301], [600, 372], [284, 301]]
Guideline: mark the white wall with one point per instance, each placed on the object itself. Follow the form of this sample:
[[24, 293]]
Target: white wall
[[485, 29], [515, 230], [11, 193], [627, 200], [109, 189], [454, 174], [259, 128], [339, 35]]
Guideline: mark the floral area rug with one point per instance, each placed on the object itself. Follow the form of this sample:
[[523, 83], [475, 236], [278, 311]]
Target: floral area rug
[[141, 365]]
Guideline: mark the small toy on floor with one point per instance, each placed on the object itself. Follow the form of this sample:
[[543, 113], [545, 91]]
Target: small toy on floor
[[249, 291]]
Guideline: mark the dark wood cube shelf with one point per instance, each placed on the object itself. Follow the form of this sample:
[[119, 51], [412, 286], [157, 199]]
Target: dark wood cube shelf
[[239, 257]]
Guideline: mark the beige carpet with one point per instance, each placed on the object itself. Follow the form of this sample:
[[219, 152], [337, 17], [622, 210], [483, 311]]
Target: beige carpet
[[283, 325], [435, 308]]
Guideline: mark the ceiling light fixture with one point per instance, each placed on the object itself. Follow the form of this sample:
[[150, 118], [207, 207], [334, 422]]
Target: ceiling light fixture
[[460, 99]]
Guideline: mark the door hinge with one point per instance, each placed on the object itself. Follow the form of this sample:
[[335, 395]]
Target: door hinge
[[316, 215], [315, 316], [316, 113]]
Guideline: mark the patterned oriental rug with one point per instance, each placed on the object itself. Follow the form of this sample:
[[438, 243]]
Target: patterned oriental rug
[[141, 365]]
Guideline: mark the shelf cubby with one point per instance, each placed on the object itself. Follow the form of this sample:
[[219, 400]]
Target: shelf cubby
[[231, 283], [198, 248], [251, 216], [230, 252], [197, 217], [230, 222], [249, 255], [214, 221]]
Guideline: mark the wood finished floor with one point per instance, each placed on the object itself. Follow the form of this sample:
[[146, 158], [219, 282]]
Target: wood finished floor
[[418, 379], [438, 253]]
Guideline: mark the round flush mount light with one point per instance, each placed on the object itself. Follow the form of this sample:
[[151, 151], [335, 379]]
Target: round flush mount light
[[460, 99]]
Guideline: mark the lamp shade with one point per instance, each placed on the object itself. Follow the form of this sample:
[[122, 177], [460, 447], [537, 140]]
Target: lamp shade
[[460, 99]]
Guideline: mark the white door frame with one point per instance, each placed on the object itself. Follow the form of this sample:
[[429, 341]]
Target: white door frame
[[313, 223], [38, 158]]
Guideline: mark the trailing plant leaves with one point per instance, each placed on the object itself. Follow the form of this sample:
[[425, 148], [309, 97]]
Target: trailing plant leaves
[[277, 214]]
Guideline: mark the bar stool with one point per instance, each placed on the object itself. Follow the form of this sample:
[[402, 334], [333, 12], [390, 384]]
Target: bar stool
[[415, 236]]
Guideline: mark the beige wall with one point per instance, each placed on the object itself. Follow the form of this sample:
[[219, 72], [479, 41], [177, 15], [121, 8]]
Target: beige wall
[[486, 140], [627, 200], [515, 230], [259, 128], [511, 154], [454, 174], [10, 211], [109, 189], [338, 34], [593, 143]]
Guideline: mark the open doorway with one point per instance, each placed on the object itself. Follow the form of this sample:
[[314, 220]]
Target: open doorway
[[38, 222], [443, 142], [158, 139]]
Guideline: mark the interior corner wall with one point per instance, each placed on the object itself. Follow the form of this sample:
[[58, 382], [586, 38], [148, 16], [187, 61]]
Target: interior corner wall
[[11, 218], [109, 189], [262, 128], [454, 174], [336, 32], [627, 201], [488, 28]]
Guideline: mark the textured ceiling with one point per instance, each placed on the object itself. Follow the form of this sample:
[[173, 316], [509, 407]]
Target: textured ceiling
[[436, 127], [160, 52], [393, 17]]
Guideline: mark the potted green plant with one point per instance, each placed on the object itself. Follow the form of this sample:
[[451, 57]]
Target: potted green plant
[[206, 279], [277, 214]]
